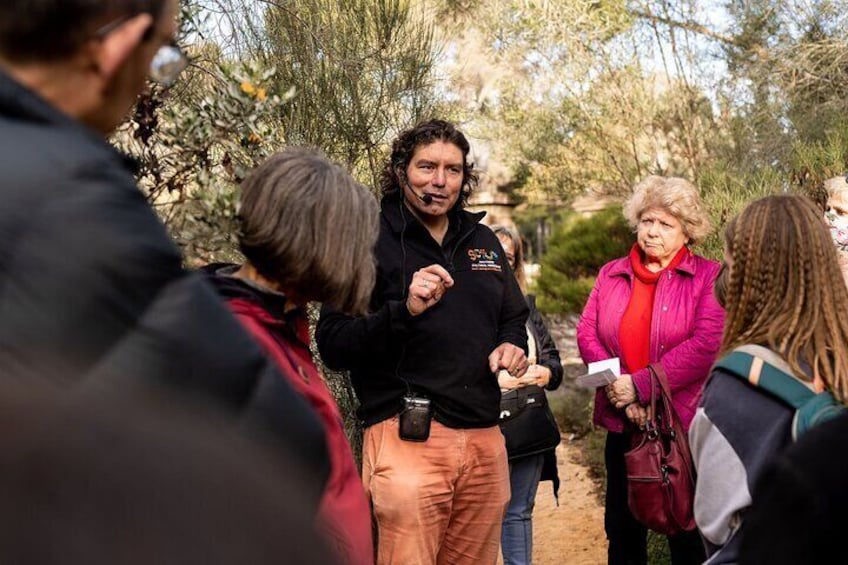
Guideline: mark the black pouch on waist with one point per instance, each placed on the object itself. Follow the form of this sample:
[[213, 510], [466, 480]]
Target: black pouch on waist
[[415, 418]]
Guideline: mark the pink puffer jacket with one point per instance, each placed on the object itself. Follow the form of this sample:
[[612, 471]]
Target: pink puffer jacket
[[686, 328]]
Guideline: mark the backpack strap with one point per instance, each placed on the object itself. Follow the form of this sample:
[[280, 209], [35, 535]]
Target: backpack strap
[[762, 368]]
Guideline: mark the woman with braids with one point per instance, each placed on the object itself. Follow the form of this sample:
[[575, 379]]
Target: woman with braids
[[786, 301], [654, 306]]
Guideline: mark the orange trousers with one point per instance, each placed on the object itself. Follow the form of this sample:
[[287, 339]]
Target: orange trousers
[[439, 502]]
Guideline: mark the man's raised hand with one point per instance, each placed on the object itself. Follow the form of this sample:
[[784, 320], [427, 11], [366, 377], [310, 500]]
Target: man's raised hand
[[427, 287]]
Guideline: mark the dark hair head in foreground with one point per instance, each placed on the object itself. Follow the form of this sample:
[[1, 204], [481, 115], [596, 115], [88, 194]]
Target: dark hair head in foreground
[[49, 30]]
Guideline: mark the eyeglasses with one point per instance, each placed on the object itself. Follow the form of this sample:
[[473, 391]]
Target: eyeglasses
[[167, 64], [168, 61]]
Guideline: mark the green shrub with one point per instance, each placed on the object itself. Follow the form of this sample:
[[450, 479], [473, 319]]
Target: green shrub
[[578, 248], [725, 193], [658, 552], [573, 409], [561, 295], [582, 245]]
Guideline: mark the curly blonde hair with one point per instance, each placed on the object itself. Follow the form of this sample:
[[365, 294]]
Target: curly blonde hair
[[785, 290], [675, 195]]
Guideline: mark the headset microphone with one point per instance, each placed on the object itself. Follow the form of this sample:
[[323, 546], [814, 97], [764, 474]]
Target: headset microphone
[[425, 198]]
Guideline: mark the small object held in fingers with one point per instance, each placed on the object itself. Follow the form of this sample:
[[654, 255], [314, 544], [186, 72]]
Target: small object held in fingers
[[507, 381], [527, 379]]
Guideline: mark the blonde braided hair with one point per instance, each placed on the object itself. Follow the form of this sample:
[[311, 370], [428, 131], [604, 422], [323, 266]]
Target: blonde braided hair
[[785, 290]]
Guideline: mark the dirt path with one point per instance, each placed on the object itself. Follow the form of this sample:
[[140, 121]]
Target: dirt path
[[573, 533]]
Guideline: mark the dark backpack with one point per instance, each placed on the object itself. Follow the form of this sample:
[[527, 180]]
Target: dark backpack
[[762, 368]]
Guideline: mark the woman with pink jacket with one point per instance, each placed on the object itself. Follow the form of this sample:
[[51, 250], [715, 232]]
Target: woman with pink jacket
[[655, 305]]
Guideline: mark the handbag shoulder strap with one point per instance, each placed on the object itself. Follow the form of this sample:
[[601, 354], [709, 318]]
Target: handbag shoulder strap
[[658, 374]]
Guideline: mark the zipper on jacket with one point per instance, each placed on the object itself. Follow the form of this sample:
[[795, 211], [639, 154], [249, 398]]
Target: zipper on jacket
[[456, 247]]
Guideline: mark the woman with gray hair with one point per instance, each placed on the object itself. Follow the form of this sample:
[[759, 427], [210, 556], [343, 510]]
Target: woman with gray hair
[[307, 233], [655, 306]]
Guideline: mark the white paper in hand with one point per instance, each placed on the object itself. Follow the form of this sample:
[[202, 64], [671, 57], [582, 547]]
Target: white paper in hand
[[601, 373]]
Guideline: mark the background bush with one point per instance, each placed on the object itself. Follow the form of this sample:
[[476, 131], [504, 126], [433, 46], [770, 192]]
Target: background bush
[[577, 249]]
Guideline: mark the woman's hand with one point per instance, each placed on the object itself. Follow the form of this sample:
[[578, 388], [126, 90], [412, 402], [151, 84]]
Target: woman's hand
[[507, 381], [637, 414], [538, 375], [621, 392]]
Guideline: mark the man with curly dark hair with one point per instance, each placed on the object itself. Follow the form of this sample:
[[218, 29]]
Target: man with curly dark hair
[[445, 316]]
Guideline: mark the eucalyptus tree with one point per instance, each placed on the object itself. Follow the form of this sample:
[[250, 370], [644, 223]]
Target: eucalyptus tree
[[359, 69], [581, 96]]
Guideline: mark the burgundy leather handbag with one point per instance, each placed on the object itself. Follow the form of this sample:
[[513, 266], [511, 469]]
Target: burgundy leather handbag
[[660, 475]]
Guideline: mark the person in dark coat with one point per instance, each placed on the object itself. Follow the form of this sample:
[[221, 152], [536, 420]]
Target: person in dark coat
[[545, 371], [799, 502], [103, 478], [92, 289]]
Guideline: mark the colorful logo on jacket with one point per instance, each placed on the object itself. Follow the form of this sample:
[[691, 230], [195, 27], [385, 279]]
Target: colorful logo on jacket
[[484, 260]]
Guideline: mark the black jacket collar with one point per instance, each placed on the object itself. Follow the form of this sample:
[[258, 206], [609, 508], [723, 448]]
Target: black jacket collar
[[399, 217], [19, 102]]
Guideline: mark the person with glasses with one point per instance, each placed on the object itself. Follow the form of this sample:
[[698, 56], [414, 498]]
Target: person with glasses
[[529, 466], [92, 290], [836, 218]]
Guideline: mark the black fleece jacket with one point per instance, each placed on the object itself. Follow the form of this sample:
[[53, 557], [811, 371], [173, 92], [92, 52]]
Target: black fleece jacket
[[442, 353], [92, 290]]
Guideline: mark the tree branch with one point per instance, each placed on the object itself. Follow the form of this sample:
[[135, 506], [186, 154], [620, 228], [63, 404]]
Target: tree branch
[[688, 25]]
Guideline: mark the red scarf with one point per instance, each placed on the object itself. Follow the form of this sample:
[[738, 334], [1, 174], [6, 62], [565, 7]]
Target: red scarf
[[635, 329]]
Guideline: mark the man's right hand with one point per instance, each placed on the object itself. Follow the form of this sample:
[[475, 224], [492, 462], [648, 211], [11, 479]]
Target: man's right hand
[[427, 288]]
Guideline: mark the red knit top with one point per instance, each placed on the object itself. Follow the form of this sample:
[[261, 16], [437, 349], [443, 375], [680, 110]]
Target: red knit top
[[635, 330]]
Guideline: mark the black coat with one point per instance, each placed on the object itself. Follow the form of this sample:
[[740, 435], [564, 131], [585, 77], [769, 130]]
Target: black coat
[[547, 353], [443, 352], [92, 289], [799, 502]]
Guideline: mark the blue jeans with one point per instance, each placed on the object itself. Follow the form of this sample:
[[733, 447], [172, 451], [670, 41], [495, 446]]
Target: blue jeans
[[517, 531]]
